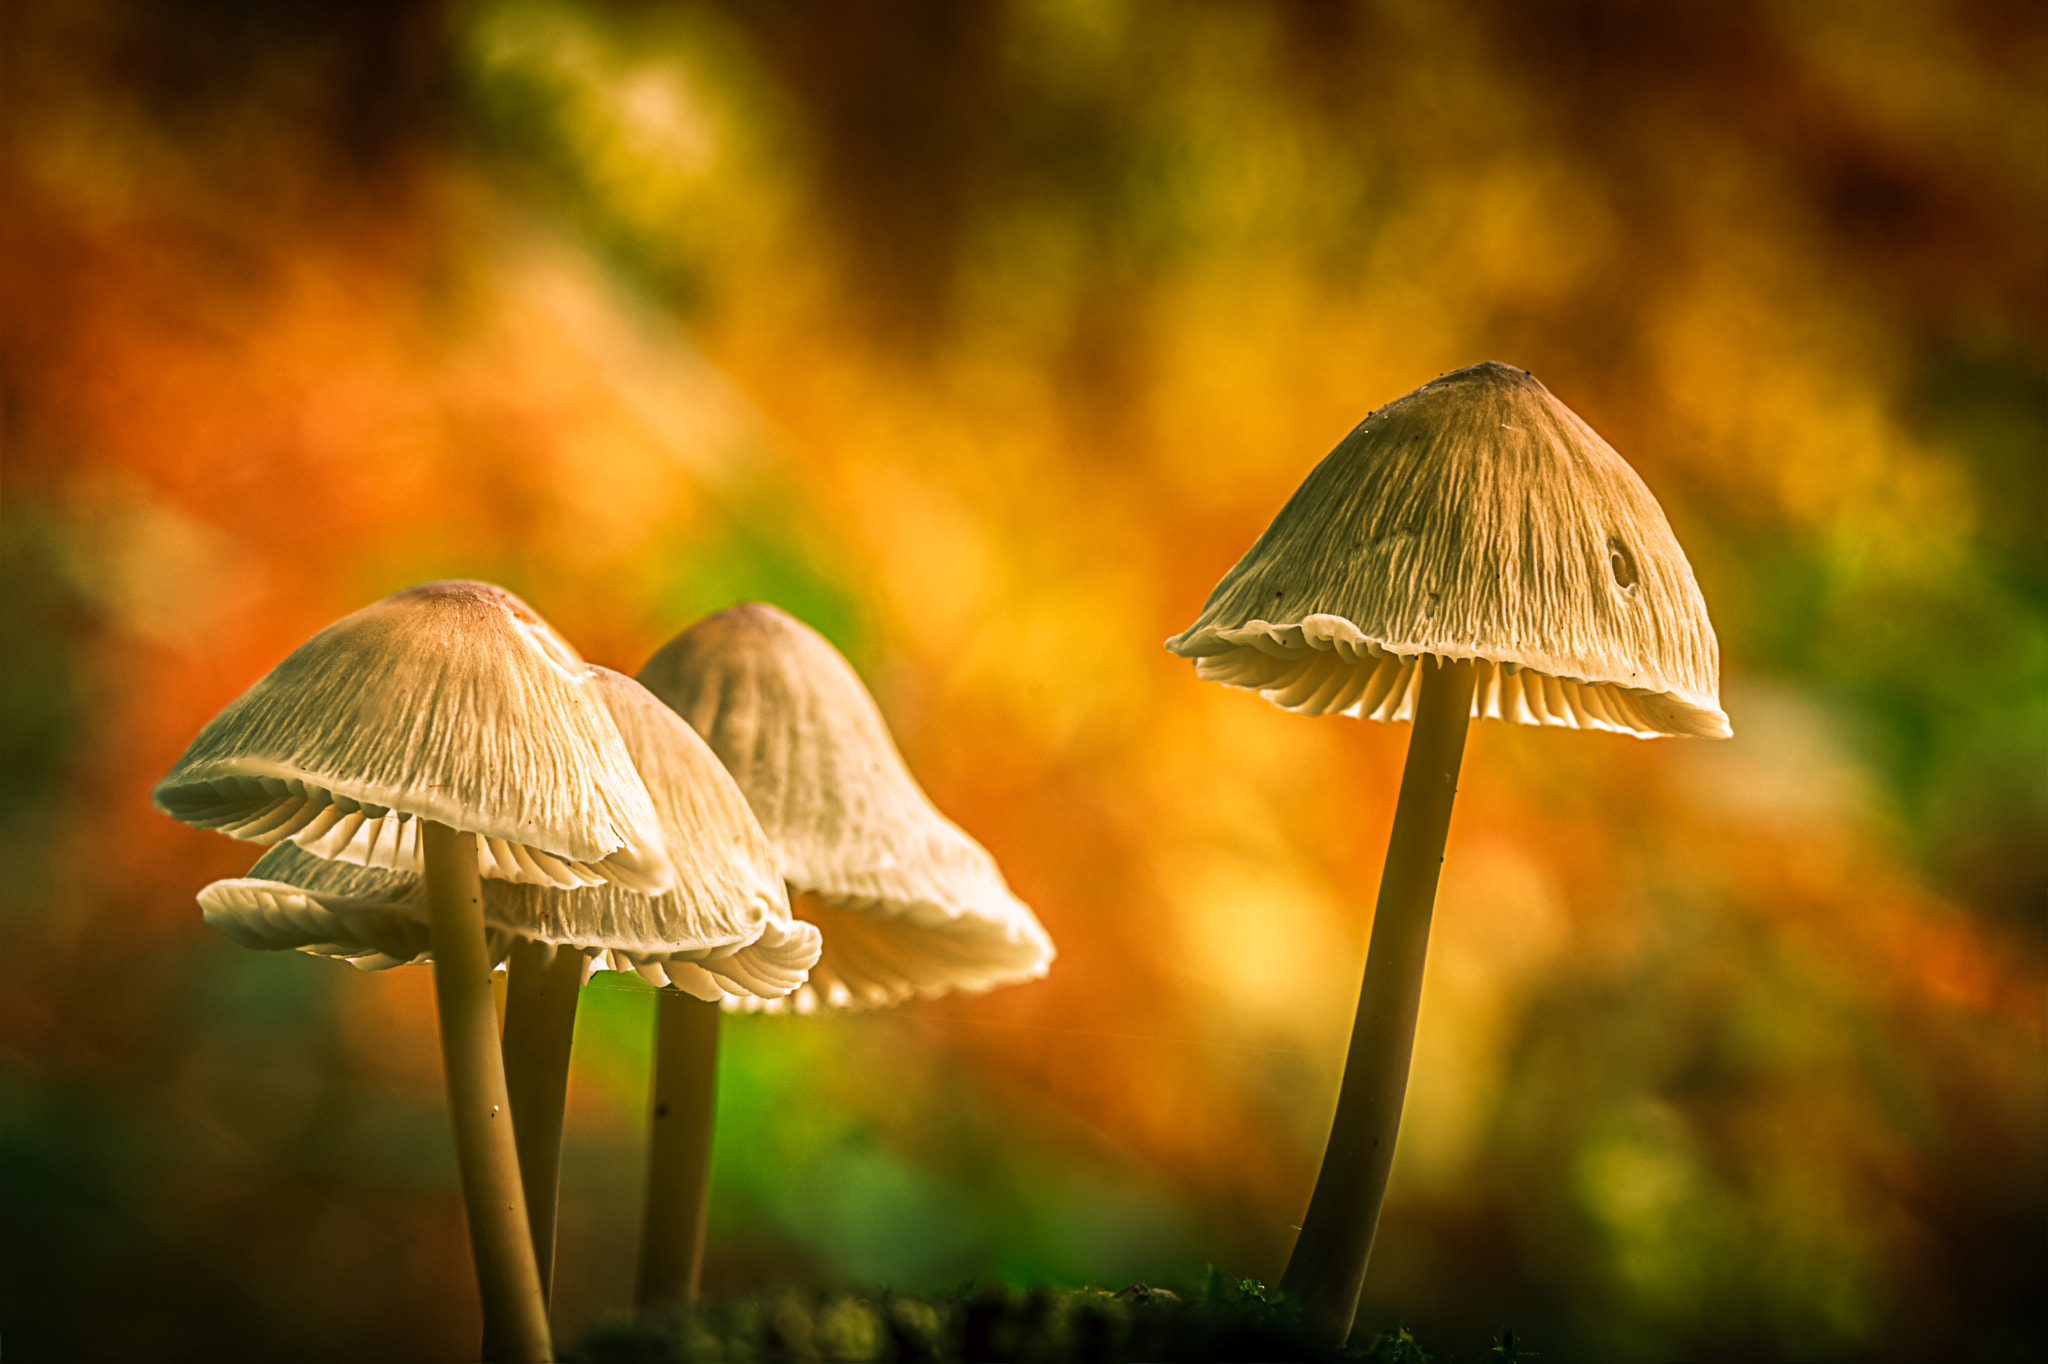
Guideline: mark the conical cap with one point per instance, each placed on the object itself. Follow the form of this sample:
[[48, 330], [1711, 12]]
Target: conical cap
[[724, 929], [1476, 518], [450, 701], [911, 905]]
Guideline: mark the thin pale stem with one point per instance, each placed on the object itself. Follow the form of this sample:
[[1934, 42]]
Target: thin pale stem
[[515, 1315], [1326, 1272], [540, 1027], [679, 1120]]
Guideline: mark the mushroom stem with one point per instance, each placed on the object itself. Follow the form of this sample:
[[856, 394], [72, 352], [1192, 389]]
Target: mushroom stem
[[679, 1114], [515, 1315], [1327, 1269], [540, 1027]]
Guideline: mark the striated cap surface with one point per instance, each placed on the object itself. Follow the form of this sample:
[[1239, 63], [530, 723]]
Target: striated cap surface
[[725, 929], [450, 701], [911, 905], [1475, 518]]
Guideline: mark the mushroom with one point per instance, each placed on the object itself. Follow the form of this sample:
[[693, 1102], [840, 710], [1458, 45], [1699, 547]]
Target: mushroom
[[724, 928], [451, 702], [1471, 550], [445, 730], [909, 904]]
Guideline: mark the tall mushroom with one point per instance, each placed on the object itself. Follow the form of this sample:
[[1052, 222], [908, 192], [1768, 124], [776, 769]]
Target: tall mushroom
[[910, 905], [725, 927], [445, 730], [1470, 550]]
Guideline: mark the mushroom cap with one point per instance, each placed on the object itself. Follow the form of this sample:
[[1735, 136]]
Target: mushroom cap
[[451, 701], [1475, 518], [375, 919], [911, 905], [724, 929]]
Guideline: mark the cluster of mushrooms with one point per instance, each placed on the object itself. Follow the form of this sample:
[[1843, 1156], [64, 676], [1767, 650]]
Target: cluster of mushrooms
[[441, 778], [1471, 550]]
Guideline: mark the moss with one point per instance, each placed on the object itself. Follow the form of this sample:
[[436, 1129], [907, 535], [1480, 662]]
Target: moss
[[1221, 1319]]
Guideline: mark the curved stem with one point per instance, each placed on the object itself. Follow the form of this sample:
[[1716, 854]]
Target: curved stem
[[540, 1027], [1327, 1269], [679, 1120], [515, 1317]]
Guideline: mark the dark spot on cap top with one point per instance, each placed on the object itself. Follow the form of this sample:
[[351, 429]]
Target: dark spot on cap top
[[1622, 563]]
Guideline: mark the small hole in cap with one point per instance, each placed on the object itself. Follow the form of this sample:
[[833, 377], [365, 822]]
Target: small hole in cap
[[1622, 562]]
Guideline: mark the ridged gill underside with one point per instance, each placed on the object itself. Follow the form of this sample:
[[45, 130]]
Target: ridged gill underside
[[373, 920], [873, 960], [1475, 518]]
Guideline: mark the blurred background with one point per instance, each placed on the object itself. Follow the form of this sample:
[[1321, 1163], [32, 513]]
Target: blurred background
[[985, 337]]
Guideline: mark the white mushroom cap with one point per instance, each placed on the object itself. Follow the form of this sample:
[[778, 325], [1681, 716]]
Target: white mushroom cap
[[724, 930], [911, 904], [450, 701], [375, 919], [1475, 518]]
